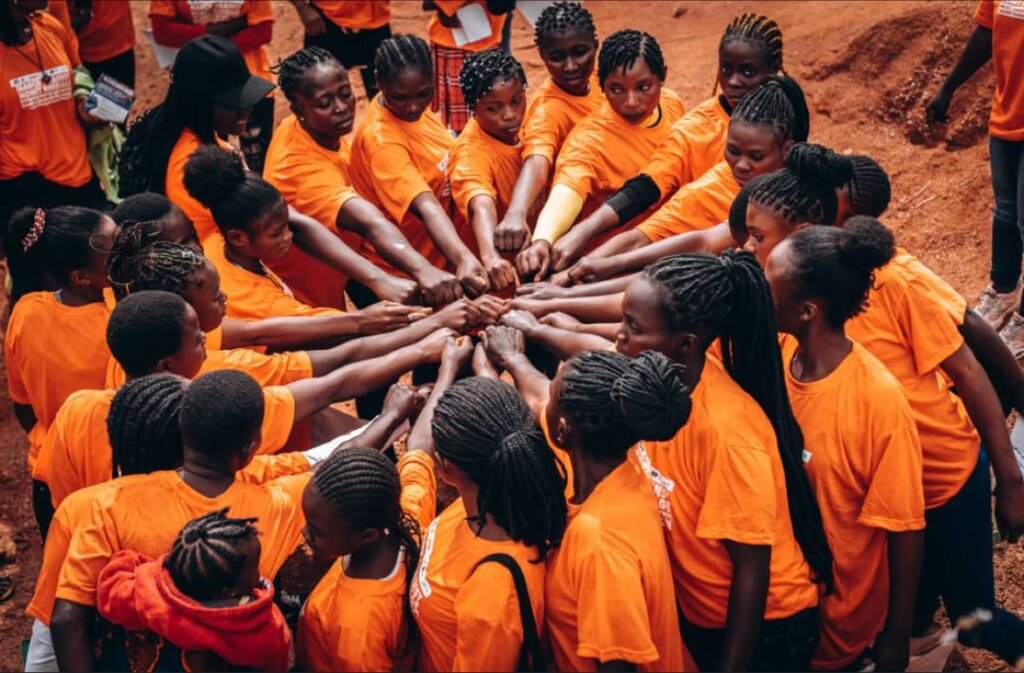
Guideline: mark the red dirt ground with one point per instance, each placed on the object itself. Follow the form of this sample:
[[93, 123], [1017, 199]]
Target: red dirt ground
[[867, 68]]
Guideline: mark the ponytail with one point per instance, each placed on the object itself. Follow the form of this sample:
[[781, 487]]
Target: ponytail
[[236, 197]]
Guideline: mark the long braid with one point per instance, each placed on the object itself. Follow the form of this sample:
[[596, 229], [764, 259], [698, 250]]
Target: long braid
[[562, 17], [399, 52], [142, 425], [805, 190], [484, 427], [777, 102], [292, 70], [364, 489], [729, 298], [870, 189], [481, 71], [206, 557], [140, 261], [622, 49]]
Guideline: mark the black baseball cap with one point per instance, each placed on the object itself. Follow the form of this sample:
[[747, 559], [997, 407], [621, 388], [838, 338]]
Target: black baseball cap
[[213, 66]]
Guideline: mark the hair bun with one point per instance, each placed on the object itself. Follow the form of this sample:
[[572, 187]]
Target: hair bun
[[866, 243], [820, 164], [651, 398], [212, 173]]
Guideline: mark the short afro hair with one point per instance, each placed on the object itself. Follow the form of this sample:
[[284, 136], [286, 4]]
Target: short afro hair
[[221, 413], [145, 328]]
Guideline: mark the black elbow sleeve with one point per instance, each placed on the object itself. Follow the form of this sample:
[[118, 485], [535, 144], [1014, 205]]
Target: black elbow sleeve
[[636, 196]]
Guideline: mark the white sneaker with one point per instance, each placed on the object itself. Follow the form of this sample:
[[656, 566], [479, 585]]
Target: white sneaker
[[1013, 335], [996, 307]]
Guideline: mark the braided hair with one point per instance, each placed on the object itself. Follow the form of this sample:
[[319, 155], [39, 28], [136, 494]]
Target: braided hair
[[142, 425], [482, 70], [777, 102], [758, 29], [236, 197], [143, 207], [562, 17], [140, 260], [838, 265], [399, 52], [870, 190], [46, 245], [207, 555], [622, 49], [291, 72], [363, 488], [145, 328], [805, 189], [484, 428], [728, 298], [616, 401]]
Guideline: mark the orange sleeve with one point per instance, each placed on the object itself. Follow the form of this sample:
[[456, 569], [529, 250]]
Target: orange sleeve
[[698, 205], [52, 465], [419, 487], [260, 11], [278, 418], [929, 321], [92, 544], [489, 627], [267, 468], [984, 13], [277, 369], [15, 384], [397, 180], [470, 175], [283, 305], [54, 551], [612, 614], [70, 40], [895, 496], [540, 134], [162, 8], [283, 522], [316, 191], [576, 161], [739, 501]]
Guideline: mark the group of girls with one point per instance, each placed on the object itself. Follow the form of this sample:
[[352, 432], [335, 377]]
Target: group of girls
[[767, 444]]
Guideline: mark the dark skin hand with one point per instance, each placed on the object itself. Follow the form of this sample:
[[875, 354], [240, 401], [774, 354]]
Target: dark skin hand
[[506, 349], [1006, 375], [512, 233], [747, 598], [563, 343], [70, 628], [470, 272], [892, 647], [977, 53]]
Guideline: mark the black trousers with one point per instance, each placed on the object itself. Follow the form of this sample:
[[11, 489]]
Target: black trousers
[[352, 49], [42, 507], [120, 67], [786, 644]]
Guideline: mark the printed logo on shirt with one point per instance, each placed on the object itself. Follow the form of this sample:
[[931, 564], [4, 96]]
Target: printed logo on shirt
[[420, 587], [214, 11], [662, 485], [1012, 9], [34, 93]]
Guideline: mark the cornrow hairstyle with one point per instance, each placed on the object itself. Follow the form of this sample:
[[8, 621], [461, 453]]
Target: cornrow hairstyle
[[208, 555], [728, 298], [146, 328], [236, 197], [141, 261], [221, 413], [144, 207], [838, 265], [291, 72], [142, 425], [399, 52], [561, 17], [804, 191], [481, 71], [870, 189], [760, 30], [777, 102], [65, 243], [363, 488], [615, 401], [484, 427], [622, 49]]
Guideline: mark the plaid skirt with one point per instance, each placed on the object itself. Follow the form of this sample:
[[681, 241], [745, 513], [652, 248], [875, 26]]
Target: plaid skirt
[[448, 101]]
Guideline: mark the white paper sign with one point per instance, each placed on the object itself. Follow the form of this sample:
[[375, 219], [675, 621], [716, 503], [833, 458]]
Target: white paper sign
[[474, 25], [164, 54]]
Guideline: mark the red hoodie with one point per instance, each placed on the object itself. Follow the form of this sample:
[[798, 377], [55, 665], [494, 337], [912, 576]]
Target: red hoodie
[[138, 594]]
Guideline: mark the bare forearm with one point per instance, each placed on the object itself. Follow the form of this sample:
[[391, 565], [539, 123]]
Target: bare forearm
[[533, 177], [70, 627], [374, 346], [606, 308], [318, 241], [289, 333], [998, 361], [976, 53], [621, 243], [533, 386], [905, 553], [440, 228], [565, 344], [483, 214], [420, 437], [747, 598], [364, 218]]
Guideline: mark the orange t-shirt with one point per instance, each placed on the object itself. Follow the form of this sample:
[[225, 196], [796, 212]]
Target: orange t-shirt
[[912, 325], [608, 591], [698, 205], [109, 33], [277, 369], [444, 37], [255, 297], [552, 113], [721, 478], [174, 184], [122, 518], [469, 621], [393, 162], [39, 121], [359, 15], [314, 180], [483, 165], [1005, 18], [693, 145], [358, 624], [43, 372], [77, 453], [205, 12], [865, 467], [604, 150]]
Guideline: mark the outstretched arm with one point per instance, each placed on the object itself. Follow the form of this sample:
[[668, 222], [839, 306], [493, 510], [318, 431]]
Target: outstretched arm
[[976, 53], [513, 232], [562, 342], [506, 348], [468, 269], [456, 355]]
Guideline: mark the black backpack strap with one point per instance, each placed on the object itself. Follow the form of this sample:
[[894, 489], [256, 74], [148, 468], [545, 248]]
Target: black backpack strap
[[531, 656]]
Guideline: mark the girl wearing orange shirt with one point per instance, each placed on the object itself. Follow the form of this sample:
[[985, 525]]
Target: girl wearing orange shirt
[[487, 155], [611, 143], [750, 51], [511, 504], [567, 43], [864, 455], [400, 156]]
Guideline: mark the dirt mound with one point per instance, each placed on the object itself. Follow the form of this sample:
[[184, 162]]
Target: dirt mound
[[928, 41]]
